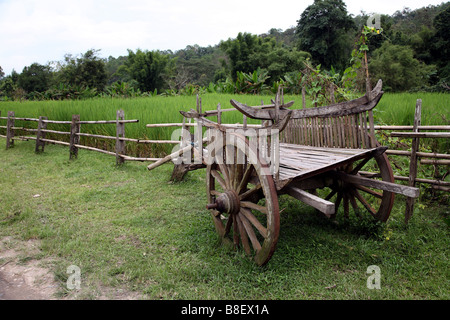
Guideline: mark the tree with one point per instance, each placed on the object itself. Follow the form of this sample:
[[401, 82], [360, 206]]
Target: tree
[[323, 30], [35, 77], [239, 50], [148, 68], [196, 65], [8, 85], [249, 52], [398, 68], [2, 74], [441, 39], [88, 70]]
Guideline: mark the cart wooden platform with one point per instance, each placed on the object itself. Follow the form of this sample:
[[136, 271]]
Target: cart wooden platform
[[322, 148]]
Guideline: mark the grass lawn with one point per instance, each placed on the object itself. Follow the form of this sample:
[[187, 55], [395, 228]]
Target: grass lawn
[[127, 227]]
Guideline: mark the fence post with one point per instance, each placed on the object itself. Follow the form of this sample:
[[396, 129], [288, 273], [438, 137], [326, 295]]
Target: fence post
[[413, 160], [120, 133], [40, 135], [74, 137], [9, 130]]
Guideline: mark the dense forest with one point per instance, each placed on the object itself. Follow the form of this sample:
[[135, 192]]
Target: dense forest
[[328, 47]]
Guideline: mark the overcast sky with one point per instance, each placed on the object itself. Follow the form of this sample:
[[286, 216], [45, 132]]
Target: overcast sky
[[45, 30]]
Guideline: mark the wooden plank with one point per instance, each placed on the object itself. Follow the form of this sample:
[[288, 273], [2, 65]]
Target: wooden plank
[[306, 130], [54, 141], [314, 201], [163, 125], [53, 131], [436, 162], [371, 129], [19, 118], [436, 127], [382, 185], [366, 131], [361, 132], [357, 132], [169, 157], [139, 159], [57, 121], [419, 154], [303, 161], [413, 160], [354, 123], [79, 146], [343, 108], [421, 134], [108, 121]]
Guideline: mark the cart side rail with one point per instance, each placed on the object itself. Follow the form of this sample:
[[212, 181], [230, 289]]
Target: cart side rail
[[345, 125]]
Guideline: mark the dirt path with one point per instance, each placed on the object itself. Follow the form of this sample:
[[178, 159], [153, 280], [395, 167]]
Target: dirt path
[[21, 276], [24, 277]]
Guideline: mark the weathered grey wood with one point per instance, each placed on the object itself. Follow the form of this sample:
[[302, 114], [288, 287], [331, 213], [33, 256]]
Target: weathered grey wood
[[340, 109], [139, 159], [419, 154], [332, 93], [108, 121], [438, 127], [421, 134], [74, 138], [372, 131], [19, 118], [79, 146], [413, 160], [40, 134], [382, 185], [120, 133], [441, 188], [401, 178], [57, 121], [159, 125], [169, 157], [436, 162], [54, 141], [314, 201], [53, 131], [151, 141], [303, 98], [9, 130]]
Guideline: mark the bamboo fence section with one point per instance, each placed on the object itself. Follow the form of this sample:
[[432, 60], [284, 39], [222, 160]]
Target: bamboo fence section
[[75, 134]]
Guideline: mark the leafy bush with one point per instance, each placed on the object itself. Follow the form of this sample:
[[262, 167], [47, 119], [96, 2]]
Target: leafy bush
[[396, 65]]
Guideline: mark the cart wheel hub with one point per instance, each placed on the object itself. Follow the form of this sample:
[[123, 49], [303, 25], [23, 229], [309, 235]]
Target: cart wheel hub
[[227, 202]]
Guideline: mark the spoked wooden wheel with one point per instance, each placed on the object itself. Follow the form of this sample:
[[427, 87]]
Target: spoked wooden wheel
[[354, 193], [242, 199]]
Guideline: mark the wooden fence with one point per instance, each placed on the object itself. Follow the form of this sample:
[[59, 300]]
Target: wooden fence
[[415, 155], [75, 134]]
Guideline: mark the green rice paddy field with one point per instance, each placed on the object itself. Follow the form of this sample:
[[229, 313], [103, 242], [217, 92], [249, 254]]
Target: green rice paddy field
[[393, 109]]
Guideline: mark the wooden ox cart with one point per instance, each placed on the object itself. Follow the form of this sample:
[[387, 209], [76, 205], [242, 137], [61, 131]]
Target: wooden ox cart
[[321, 148]]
